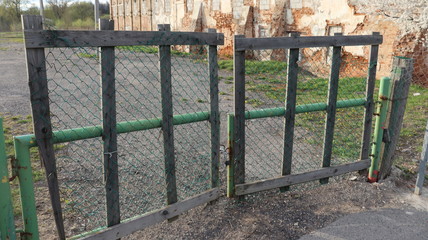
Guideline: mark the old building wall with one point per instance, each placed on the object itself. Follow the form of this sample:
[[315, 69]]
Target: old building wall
[[274, 18]]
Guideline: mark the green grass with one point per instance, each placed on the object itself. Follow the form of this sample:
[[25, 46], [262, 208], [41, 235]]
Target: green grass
[[347, 141], [153, 50], [413, 129], [11, 37], [15, 126], [256, 67], [88, 55], [143, 49]]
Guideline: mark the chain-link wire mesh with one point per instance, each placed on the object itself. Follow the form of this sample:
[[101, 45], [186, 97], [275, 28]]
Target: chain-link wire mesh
[[76, 102], [266, 83]]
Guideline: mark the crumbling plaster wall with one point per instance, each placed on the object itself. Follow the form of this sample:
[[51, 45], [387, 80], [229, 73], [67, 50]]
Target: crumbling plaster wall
[[273, 18], [243, 17]]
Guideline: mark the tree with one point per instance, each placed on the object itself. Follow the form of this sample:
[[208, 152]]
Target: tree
[[14, 8], [59, 7]]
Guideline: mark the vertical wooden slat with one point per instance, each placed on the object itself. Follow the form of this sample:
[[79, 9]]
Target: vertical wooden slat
[[167, 114], [215, 114], [239, 76], [111, 169], [39, 94], [423, 165], [333, 86], [401, 76], [368, 115], [290, 110]]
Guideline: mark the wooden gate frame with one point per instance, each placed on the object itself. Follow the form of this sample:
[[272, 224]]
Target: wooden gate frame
[[236, 127], [36, 40]]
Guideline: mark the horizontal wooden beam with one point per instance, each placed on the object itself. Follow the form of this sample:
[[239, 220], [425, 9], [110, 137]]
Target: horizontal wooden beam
[[305, 42], [129, 226], [247, 188], [107, 38]]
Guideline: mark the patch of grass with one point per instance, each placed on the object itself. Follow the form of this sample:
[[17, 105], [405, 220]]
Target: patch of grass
[[143, 49], [184, 99], [256, 67], [180, 53], [229, 78], [11, 37], [15, 126], [254, 102], [87, 55], [200, 100], [228, 82], [223, 93], [3, 48], [413, 128]]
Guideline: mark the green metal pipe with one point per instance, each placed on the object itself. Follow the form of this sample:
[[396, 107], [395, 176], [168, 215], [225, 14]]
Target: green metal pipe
[[231, 162], [7, 223], [305, 108], [76, 134], [26, 187], [381, 113]]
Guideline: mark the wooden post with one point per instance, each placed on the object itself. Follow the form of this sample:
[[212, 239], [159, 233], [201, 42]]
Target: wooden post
[[422, 165], [368, 115], [39, 94], [333, 87], [215, 114], [401, 77], [290, 110], [111, 168], [239, 151], [167, 117]]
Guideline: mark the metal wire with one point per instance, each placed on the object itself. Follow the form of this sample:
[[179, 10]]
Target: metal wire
[[266, 82], [75, 101]]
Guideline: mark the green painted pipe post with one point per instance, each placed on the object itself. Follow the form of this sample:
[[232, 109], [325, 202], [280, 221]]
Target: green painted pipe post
[[231, 162], [381, 114], [26, 188], [7, 223]]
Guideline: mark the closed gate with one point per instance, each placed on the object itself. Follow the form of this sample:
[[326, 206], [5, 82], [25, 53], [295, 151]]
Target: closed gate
[[303, 110], [127, 124]]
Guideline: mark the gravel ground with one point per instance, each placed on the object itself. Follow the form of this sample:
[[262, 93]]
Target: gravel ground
[[261, 216]]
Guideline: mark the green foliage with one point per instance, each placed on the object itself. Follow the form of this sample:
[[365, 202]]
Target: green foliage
[[143, 49], [256, 67]]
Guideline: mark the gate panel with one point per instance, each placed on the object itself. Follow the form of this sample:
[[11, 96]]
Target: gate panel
[[160, 101], [331, 93]]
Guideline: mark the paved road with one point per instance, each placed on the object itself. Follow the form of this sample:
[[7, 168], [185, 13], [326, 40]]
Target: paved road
[[404, 222], [13, 97]]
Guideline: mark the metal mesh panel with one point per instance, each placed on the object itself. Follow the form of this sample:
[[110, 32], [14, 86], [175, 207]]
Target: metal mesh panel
[[75, 102], [266, 82]]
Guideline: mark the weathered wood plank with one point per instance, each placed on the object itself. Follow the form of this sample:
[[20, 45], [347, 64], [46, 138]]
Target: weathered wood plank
[[306, 42], [242, 189], [368, 114], [167, 117], [39, 94], [57, 38], [139, 223], [239, 103], [108, 90], [290, 110], [333, 87], [423, 165], [215, 113], [401, 77]]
